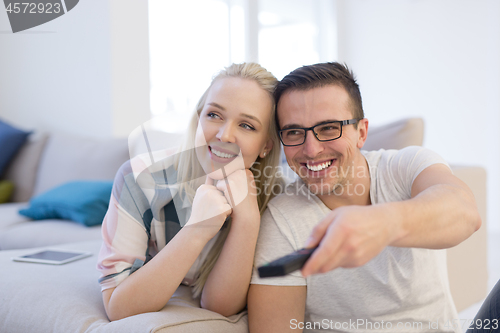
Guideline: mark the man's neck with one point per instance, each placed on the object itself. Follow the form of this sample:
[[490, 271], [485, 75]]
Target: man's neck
[[356, 191]]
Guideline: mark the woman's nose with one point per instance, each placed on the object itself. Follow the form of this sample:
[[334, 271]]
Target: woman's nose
[[226, 133]]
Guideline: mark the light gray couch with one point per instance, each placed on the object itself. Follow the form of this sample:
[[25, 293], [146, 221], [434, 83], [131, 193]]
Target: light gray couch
[[42, 298], [44, 163]]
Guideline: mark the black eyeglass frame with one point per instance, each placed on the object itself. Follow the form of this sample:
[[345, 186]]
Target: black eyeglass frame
[[341, 122]]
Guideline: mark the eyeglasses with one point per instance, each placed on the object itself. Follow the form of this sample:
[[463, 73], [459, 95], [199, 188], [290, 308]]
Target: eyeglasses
[[327, 131]]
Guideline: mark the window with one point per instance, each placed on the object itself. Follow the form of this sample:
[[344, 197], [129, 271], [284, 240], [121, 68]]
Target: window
[[192, 40]]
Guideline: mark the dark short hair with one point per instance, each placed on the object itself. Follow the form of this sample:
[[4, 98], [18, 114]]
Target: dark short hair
[[320, 75]]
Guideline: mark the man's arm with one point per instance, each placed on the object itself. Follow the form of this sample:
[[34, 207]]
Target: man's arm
[[441, 213], [276, 309]]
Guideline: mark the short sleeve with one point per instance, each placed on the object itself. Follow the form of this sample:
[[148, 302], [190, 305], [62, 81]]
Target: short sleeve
[[406, 164], [124, 236], [275, 240]]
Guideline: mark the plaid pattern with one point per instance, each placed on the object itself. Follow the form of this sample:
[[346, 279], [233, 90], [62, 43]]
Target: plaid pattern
[[141, 219]]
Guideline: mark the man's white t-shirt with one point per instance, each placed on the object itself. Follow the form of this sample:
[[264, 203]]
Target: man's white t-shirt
[[400, 290]]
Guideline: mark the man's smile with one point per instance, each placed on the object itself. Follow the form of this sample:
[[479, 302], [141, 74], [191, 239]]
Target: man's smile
[[317, 168]]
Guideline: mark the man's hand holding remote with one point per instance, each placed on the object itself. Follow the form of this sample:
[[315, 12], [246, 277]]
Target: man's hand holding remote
[[350, 236]]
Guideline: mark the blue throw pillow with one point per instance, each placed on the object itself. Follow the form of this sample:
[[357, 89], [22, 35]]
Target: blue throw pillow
[[85, 202], [11, 140]]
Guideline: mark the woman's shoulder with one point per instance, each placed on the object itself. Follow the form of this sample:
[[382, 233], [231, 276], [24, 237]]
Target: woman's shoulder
[[158, 158], [142, 168], [140, 180]]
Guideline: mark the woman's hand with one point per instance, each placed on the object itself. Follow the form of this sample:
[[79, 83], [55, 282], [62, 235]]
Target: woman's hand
[[210, 210], [241, 194]]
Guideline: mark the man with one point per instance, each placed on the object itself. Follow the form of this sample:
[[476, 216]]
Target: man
[[378, 218]]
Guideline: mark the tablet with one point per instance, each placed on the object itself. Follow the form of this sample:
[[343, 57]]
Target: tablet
[[53, 257]]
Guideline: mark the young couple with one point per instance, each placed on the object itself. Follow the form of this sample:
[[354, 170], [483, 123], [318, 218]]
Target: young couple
[[223, 179]]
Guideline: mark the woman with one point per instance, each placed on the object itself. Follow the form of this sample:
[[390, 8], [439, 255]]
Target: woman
[[231, 132]]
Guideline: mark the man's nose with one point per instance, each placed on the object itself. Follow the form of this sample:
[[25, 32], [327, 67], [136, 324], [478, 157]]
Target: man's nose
[[312, 146], [226, 133]]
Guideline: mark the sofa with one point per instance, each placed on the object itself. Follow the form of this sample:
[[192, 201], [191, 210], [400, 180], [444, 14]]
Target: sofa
[[44, 162], [67, 298]]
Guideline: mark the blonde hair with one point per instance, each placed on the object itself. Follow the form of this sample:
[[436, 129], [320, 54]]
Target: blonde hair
[[265, 170]]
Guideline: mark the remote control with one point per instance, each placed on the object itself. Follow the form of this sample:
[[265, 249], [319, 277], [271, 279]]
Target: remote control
[[287, 264]]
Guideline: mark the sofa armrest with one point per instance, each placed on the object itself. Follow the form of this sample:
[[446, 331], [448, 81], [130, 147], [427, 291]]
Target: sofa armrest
[[467, 262]]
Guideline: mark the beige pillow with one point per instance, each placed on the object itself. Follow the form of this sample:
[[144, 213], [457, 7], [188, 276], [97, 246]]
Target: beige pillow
[[23, 169], [69, 157], [396, 135]]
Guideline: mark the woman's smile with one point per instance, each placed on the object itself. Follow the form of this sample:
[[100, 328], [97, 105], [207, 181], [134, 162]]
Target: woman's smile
[[220, 155]]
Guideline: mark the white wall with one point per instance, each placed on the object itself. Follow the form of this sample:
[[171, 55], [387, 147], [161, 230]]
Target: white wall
[[439, 60], [77, 73], [87, 72], [130, 86]]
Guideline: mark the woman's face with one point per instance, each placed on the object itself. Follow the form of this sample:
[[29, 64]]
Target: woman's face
[[233, 126]]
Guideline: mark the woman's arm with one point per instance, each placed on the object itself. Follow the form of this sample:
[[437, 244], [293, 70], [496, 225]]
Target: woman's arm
[[225, 291], [226, 288], [149, 288]]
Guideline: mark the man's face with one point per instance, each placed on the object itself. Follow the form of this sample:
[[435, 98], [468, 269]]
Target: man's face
[[323, 166]]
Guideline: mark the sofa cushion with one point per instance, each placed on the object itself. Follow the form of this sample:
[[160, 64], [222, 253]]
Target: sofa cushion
[[67, 157], [396, 135], [11, 140], [85, 202], [10, 216], [67, 298], [468, 261], [19, 232], [28, 234], [23, 168]]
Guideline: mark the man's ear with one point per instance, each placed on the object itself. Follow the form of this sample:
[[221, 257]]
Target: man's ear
[[266, 149], [362, 132]]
